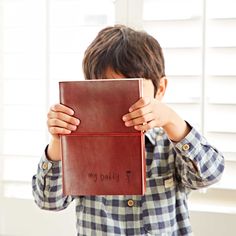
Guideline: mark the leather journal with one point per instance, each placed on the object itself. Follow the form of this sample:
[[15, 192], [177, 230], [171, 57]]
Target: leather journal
[[103, 156]]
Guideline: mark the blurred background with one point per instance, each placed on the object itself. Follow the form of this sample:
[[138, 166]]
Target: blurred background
[[43, 41]]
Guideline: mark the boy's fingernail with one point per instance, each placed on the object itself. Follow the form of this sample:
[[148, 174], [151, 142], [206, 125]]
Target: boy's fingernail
[[124, 118], [74, 127], [131, 109], [128, 123]]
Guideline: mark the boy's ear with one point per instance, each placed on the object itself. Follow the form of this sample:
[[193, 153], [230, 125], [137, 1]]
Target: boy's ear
[[162, 88]]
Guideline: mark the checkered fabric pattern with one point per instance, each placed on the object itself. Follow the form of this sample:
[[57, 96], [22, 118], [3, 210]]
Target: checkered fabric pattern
[[173, 169]]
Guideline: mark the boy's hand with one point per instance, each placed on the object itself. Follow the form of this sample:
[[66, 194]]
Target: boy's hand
[[60, 121], [148, 113]]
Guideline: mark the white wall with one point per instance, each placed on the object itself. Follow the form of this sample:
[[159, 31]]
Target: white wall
[[213, 224], [24, 218]]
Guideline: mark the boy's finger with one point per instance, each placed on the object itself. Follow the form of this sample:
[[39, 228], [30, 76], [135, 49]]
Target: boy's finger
[[64, 117], [146, 126], [140, 103], [58, 130], [142, 120], [61, 108], [137, 113], [61, 124]]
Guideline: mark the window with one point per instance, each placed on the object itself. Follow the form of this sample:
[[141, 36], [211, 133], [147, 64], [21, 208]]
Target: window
[[199, 41], [23, 94], [42, 43]]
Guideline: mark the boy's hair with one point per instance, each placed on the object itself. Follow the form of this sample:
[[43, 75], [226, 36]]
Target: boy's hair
[[134, 54]]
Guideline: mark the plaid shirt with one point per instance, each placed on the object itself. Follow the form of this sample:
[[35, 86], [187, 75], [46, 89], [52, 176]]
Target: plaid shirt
[[173, 169]]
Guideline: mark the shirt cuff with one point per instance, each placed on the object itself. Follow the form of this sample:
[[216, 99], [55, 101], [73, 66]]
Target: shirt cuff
[[49, 168], [191, 145]]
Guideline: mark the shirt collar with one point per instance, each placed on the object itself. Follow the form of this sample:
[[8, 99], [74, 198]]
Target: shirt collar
[[152, 134]]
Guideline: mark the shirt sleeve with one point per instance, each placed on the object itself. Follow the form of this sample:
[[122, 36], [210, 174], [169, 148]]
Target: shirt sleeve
[[198, 163], [47, 186]]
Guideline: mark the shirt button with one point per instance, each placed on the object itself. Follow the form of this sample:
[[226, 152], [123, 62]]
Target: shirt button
[[185, 147], [130, 203], [45, 166]]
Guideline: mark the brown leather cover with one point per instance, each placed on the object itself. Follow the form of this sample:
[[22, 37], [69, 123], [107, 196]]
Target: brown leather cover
[[103, 156]]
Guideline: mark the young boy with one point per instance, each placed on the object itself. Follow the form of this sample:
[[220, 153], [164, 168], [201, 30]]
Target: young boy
[[178, 158]]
